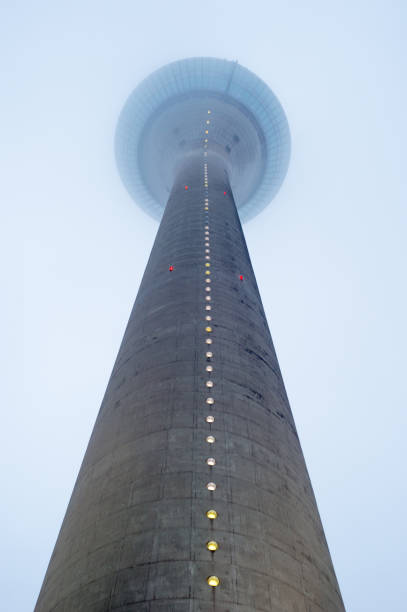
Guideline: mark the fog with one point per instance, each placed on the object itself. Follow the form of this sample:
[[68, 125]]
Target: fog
[[329, 254]]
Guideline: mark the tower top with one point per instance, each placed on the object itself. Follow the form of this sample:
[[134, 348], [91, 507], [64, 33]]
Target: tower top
[[205, 106]]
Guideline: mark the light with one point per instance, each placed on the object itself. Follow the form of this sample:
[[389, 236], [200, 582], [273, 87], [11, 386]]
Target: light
[[207, 251], [207, 280], [224, 193], [209, 112], [207, 257], [209, 354], [208, 298], [208, 318], [213, 581], [208, 307], [210, 439], [211, 486], [207, 289], [207, 265], [206, 140], [209, 383], [209, 368], [210, 419], [207, 121], [211, 461], [212, 545], [206, 226], [208, 340], [171, 268], [212, 514], [241, 277], [207, 271], [206, 131], [210, 400], [186, 187], [208, 329], [206, 208]]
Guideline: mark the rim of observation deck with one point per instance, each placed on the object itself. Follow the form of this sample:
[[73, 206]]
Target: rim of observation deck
[[214, 77]]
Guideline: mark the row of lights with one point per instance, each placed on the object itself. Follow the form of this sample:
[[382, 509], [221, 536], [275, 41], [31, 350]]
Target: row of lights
[[211, 545]]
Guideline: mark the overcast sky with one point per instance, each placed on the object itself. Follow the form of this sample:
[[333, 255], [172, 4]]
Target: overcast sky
[[329, 254]]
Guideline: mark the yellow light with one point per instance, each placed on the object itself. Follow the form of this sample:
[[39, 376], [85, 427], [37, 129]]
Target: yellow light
[[206, 208], [207, 265], [206, 131], [212, 514], [208, 329], [207, 271], [212, 545], [213, 581]]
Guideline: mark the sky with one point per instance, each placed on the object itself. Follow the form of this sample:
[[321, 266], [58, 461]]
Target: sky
[[329, 254]]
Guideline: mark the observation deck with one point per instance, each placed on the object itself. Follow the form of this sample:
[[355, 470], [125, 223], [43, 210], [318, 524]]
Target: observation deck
[[161, 125]]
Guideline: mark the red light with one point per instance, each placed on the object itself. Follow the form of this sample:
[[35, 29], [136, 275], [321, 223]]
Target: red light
[[171, 268], [186, 186], [241, 277], [224, 193]]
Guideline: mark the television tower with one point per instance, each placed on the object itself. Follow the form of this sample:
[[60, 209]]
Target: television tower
[[193, 494]]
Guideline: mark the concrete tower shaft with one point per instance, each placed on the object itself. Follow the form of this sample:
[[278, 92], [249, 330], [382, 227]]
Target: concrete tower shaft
[[136, 532]]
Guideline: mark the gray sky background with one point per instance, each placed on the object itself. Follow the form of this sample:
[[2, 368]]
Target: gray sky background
[[329, 254]]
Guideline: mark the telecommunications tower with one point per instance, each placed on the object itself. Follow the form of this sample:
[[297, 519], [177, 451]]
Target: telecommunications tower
[[193, 494]]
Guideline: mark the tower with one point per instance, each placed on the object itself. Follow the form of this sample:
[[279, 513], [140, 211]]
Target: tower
[[193, 494]]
